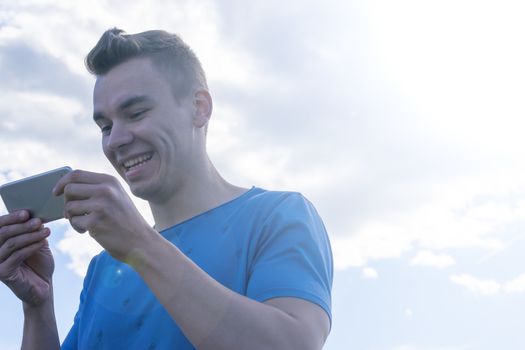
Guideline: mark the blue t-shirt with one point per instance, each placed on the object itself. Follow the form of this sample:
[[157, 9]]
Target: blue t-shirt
[[263, 244]]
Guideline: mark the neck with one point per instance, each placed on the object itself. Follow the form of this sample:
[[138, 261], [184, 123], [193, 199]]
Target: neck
[[195, 196]]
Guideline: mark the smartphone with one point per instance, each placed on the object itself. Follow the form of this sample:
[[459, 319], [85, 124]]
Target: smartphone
[[34, 193]]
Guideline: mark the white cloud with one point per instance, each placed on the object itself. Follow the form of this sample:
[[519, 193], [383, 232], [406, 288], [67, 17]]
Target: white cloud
[[373, 242], [429, 258], [80, 248], [489, 287], [463, 86], [478, 286], [370, 273], [461, 215], [516, 285], [22, 161], [441, 177]]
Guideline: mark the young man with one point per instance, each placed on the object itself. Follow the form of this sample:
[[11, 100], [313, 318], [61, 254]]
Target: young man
[[224, 267]]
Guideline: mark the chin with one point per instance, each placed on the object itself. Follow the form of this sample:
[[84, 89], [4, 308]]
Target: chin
[[147, 192], [139, 191]]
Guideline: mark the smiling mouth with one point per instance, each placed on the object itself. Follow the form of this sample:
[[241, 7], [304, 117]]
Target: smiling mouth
[[137, 161]]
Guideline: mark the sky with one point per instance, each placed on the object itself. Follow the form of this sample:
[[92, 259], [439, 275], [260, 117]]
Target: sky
[[401, 121]]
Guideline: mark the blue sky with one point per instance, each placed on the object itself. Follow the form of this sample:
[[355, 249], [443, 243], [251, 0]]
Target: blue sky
[[401, 121]]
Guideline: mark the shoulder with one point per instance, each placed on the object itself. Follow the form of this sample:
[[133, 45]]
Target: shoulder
[[291, 254], [287, 218], [287, 206], [269, 203]]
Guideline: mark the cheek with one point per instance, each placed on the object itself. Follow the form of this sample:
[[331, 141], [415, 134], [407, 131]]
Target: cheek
[[105, 149], [109, 155]]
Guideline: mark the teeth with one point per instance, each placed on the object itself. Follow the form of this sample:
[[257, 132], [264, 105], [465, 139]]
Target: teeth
[[136, 161]]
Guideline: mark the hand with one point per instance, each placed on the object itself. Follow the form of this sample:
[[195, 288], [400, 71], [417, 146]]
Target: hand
[[97, 203], [26, 262]]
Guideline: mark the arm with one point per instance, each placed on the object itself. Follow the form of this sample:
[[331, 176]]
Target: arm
[[26, 267], [40, 329], [214, 317]]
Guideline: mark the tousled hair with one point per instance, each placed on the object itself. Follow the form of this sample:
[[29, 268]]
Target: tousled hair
[[168, 53]]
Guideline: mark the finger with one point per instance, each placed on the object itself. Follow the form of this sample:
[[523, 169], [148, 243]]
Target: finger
[[14, 218], [74, 191], [19, 256], [81, 223], [79, 176], [21, 241], [8, 231], [78, 208]]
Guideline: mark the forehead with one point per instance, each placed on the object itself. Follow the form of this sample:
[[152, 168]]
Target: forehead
[[134, 77]]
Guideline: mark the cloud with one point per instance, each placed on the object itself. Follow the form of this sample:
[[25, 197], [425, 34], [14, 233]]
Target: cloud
[[25, 68], [476, 285], [429, 258], [372, 242], [370, 273], [462, 215], [516, 285], [80, 248], [489, 287]]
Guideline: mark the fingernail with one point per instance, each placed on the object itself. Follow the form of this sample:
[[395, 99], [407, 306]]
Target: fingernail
[[22, 214]]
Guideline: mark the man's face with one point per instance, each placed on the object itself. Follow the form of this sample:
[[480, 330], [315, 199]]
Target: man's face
[[146, 133]]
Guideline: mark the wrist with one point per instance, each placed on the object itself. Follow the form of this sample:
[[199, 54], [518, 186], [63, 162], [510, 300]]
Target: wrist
[[41, 315], [158, 261], [144, 254], [40, 328], [40, 308]]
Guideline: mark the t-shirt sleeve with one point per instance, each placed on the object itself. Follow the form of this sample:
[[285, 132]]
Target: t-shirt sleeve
[[292, 255], [71, 340]]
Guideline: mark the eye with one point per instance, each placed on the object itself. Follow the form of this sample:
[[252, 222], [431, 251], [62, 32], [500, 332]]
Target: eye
[[105, 129], [137, 114]]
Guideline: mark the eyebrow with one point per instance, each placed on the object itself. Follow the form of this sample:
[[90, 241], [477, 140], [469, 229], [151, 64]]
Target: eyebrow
[[124, 105]]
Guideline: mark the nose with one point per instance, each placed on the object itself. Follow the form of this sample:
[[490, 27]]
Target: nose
[[119, 137]]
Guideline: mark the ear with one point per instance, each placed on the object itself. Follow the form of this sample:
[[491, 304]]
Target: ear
[[202, 108]]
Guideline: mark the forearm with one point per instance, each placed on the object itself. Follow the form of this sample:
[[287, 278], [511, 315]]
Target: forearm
[[40, 329], [210, 315]]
